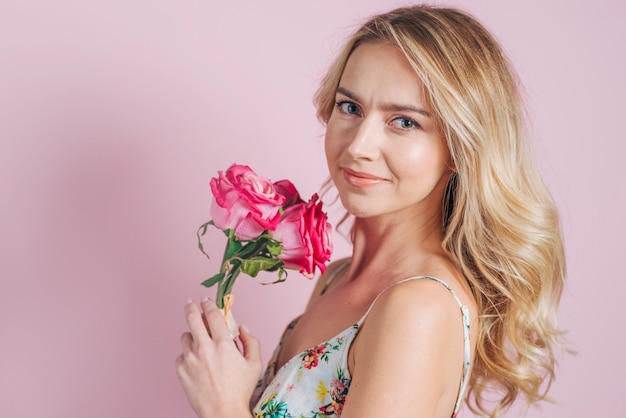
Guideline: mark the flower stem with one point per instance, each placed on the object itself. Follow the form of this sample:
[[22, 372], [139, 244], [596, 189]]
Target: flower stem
[[231, 268]]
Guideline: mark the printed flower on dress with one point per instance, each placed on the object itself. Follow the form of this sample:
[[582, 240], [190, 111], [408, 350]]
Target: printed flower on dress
[[271, 408], [311, 357], [333, 408], [339, 387]]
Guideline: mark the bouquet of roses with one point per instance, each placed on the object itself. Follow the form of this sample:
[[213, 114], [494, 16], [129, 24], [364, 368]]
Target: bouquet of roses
[[269, 228]]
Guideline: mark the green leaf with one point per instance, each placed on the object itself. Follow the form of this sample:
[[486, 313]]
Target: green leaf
[[213, 280], [233, 247], [282, 276], [251, 248], [274, 247], [254, 265], [265, 236], [277, 266], [201, 231], [204, 228]]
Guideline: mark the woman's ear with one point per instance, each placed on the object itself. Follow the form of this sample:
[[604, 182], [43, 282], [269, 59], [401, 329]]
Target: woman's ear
[[450, 164]]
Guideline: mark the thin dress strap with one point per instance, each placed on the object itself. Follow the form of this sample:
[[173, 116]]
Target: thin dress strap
[[466, 333]]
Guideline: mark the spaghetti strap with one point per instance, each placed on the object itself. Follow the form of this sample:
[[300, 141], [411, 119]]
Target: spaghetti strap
[[466, 332]]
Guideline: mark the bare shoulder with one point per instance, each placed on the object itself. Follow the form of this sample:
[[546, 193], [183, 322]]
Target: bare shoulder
[[409, 352], [422, 302]]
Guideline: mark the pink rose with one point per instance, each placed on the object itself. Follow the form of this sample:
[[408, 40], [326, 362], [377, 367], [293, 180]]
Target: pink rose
[[287, 189], [305, 236], [244, 202]]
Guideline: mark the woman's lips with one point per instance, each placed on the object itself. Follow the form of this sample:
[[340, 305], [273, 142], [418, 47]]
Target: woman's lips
[[359, 179]]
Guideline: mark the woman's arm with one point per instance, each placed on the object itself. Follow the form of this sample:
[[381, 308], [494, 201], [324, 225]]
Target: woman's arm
[[408, 358], [217, 378]]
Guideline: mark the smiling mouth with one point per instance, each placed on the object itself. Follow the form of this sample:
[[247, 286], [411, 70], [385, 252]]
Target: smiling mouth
[[358, 179]]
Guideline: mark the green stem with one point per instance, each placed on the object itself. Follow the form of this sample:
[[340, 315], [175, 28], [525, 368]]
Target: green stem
[[231, 280], [231, 264], [220, 295], [225, 286]]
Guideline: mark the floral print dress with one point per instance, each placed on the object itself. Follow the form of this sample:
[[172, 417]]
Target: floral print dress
[[315, 383]]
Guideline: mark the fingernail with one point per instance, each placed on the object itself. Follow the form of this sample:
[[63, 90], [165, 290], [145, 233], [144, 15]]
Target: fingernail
[[189, 301], [205, 299], [245, 328]]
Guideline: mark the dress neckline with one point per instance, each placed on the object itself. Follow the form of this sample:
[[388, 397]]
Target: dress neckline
[[300, 353]]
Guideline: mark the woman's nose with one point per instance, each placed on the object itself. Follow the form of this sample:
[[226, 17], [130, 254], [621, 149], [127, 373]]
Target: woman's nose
[[365, 143]]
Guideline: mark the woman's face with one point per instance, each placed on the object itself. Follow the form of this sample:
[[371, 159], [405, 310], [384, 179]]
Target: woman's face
[[384, 152]]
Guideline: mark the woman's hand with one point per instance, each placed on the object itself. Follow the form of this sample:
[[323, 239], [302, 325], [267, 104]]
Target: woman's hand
[[217, 378]]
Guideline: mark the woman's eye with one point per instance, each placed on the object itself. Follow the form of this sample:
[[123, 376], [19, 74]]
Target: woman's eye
[[348, 108], [405, 123]]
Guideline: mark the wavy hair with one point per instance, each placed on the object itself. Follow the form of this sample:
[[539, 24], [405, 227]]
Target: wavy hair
[[500, 223]]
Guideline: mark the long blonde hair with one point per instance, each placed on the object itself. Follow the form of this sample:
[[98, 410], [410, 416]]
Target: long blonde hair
[[501, 225]]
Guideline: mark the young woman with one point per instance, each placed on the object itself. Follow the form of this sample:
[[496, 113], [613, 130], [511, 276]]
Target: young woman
[[457, 260]]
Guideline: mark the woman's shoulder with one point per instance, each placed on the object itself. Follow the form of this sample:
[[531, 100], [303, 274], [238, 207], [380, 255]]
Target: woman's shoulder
[[411, 344], [440, 278], [431, 306], [419, 297], [415, 312]]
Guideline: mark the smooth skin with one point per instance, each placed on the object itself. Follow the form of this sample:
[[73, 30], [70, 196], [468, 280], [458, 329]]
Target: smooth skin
[[390, 166]]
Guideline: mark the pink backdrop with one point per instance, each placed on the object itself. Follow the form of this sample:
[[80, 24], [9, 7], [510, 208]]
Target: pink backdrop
[[115, 114]]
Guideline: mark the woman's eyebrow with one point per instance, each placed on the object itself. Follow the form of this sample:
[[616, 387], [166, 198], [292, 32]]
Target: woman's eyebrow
[[389, 107]]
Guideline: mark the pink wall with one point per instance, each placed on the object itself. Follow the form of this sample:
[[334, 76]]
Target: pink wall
[[114, 115]]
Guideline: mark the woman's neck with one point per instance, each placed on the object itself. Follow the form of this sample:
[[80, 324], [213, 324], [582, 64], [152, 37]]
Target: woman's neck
[[394, 242]]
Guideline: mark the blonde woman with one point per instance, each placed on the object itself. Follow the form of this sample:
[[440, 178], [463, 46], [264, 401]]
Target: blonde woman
[[457, 267]]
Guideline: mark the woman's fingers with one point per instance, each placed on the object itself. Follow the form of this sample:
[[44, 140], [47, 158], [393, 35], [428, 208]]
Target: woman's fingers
[[199, 332], [208, 327], [212, 371], [215, 321], [186, 341], [251, 346]]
